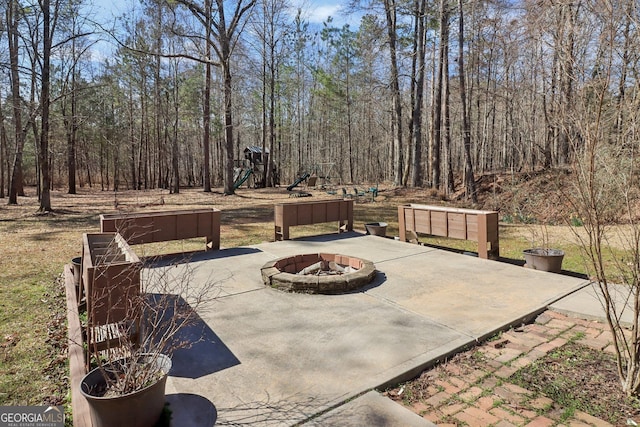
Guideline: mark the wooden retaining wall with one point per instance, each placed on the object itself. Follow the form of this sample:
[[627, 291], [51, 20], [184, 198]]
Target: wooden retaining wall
[[466, 224], [151, 227], [306, 213]]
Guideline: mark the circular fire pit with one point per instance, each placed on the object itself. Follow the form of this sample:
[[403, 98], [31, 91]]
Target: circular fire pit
[[318, 273]]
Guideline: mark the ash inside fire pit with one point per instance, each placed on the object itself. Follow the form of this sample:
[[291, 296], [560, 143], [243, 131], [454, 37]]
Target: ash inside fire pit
[[326, 268], [318, 273]]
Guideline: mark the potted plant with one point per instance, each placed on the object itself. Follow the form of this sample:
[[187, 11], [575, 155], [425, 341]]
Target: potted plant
[[129, 391], [127, 383], [543, 257]]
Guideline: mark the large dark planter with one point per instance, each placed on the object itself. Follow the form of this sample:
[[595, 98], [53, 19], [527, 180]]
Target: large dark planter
[[142, 408], [544, 259]]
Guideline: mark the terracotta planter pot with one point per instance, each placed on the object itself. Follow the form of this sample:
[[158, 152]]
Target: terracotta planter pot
[[544, 259], [142, 408]]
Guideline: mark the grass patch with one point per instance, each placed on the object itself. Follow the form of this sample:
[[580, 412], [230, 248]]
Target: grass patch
[[579, 378], [29, 267]]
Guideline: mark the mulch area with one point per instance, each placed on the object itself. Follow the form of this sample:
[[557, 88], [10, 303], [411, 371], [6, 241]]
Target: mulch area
[[502, 382]]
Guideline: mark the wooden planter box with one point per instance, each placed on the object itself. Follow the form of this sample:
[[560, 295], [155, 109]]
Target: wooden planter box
[[466, 224], [316, 212], [151, 227], [111, 284]]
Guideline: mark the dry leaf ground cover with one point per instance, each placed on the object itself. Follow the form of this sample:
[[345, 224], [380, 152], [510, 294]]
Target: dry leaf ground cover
[[34, 248]]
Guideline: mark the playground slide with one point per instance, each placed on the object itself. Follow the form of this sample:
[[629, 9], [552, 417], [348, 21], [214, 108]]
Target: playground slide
[[242, 178], [298, 181]]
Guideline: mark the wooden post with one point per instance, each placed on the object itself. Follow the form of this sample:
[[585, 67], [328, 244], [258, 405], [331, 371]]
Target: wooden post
[[402, 228]]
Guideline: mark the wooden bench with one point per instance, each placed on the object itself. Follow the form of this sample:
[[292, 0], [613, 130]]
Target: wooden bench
[[316, 212], [151, 227], [467, 224]]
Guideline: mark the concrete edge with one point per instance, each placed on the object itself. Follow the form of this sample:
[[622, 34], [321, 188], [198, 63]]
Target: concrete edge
[[415, 366], [593, 310], [372, 409], [528, 317], [396, 375]]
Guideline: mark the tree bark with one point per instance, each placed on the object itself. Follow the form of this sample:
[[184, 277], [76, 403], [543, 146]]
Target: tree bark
[[469, 179], [12, 29], [45, 102], [436, 140], [396, 118], [418, 66], [4, 162], [228, 125], [206, 134]]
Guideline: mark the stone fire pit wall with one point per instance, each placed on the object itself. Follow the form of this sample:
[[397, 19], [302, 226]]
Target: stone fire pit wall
[[281, 274]]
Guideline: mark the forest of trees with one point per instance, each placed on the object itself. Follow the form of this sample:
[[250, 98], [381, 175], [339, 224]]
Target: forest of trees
[[418, 93]]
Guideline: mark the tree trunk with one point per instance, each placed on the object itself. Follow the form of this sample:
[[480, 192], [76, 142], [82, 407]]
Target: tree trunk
[[160, 119], [4, 161], [132, 157], [45, 196], [72, 136], [267, 160], [12, 29], [206, 107], [469, 179], [349, 122], [436, 140], [228, 125], [418, 66], [176, 123], [449, 179], [71, 126], [266, 116], [396, 118]]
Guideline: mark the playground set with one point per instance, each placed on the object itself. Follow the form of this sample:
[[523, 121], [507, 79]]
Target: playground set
[[251, 170], [320, 176]]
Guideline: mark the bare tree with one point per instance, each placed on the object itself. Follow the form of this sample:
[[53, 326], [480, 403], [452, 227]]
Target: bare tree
[[390, 9], [12, 22], [469, 180], [224, 29], [418, 87], [436, 138], [48, 27], [4, 161], [206, 106], [271, 30], [606, 189]]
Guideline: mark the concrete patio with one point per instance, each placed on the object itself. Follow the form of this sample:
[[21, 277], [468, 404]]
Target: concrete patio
[[273, 358]]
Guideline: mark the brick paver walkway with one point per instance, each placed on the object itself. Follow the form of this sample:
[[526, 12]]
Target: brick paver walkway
[[460, 395]]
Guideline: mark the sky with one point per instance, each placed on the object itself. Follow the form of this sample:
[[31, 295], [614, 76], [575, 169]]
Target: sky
[[317, 12], [314, 11]]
